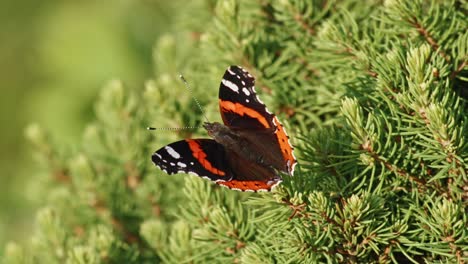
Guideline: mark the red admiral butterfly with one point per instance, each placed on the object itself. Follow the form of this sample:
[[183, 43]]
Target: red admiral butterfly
[[246, 152]]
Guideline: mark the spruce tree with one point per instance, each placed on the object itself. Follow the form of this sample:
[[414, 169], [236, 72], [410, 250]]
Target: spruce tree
[[373, 95]]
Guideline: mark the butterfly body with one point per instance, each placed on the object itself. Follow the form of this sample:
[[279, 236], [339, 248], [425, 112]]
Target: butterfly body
[[248, 152]]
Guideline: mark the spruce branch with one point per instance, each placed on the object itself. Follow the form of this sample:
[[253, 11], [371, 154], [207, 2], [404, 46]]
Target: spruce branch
[[54, 159], [460, 68], [301, 14], [427, 36]]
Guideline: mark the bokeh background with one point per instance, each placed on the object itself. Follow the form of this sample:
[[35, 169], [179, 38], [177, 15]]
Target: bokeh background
[[54, 58]]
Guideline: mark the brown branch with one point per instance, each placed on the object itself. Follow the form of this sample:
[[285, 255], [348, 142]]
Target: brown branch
[[386, 252], [129, 237], [305, 65], [61, 176], [133, 176], [465, 193], [368, 148], [423, 32], [102, 210], [300, 19], [352, 52], [372, 73], [458, 70], [297, 209]]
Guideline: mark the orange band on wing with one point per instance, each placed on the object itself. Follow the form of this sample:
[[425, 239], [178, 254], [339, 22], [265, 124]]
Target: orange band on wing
[[200, 155], [248, 185], [242, 110], [285, 146]]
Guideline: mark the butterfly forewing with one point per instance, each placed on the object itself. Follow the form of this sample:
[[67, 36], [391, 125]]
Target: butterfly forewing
[[238, 102], [241, 109], [202, 157]]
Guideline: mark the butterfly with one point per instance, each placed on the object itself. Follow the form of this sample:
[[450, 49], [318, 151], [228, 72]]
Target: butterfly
[[248, 152]]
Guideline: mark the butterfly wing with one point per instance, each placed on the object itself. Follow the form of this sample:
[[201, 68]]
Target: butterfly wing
[[249, 176], [238, 102], [202, 157], [243, 111]]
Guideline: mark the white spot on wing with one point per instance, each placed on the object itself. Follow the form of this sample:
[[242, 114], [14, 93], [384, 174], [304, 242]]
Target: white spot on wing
[[220, 180], [260, 101], [293, 166], [172, 152], [180, 164], [230, 85], [246, 91], [275, 184]]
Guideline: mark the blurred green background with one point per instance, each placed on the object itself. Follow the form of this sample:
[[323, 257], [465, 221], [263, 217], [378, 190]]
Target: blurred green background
[[54, 58]]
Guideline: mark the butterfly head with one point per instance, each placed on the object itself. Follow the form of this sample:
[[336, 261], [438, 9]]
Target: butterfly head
[[215, 129], [220, 133]]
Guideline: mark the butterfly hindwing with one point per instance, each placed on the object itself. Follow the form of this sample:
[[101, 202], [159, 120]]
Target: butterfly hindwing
[[202, 157], [250, 176]]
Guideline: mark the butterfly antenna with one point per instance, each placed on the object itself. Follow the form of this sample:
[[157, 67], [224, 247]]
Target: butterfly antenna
[[193, 96], [172, 128]]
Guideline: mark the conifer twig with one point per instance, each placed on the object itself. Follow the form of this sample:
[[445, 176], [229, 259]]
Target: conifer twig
[[458, 70], [299, 18], [429, 39]]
